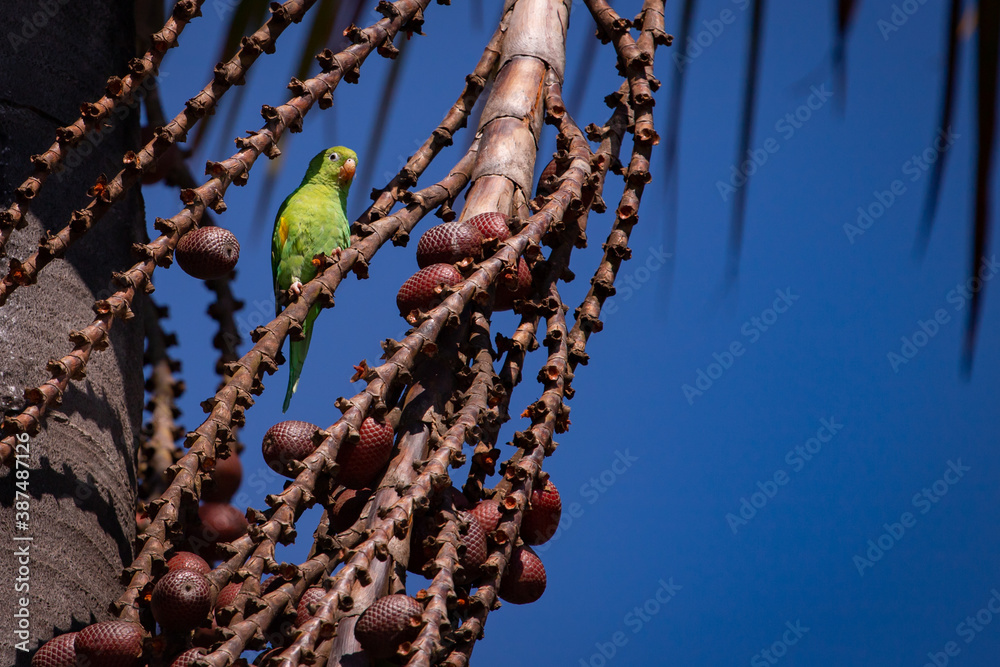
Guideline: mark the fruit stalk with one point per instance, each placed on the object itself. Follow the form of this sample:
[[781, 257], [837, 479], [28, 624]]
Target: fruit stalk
[[440, 595], [106, 192], [267, 608], [422, 403], [457, 117], [94, 114], [626, 214], [393, 520], [510, 127], [520, 473], [229, 403], [489, 396], [158, 441], [197, 201], [437, 599]]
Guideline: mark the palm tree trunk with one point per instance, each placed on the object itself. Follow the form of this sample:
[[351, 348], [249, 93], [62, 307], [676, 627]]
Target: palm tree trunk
[[79, 483], [510, 129]]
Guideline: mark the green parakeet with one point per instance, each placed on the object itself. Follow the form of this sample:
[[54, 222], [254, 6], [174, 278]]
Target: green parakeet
[[311, 220]]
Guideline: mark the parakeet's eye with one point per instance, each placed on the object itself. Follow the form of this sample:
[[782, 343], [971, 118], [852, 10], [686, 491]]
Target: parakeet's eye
[[334, 157]]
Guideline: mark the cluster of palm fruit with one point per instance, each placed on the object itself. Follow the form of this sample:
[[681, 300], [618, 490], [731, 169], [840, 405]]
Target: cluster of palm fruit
[[182, 603], [178, 610], [444, 251], [189, 614]]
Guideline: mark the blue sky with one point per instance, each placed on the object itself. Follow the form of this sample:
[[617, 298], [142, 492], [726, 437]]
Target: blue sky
[[649, 569]]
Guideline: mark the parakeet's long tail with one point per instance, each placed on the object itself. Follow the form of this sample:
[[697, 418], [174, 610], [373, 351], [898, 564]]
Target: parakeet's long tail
[[297, 351]]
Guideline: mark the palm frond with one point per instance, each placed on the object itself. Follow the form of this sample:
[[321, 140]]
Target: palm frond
[[846, 10], [673, 125], [247, 15], [378, 129], [677, 91], [320, 33], [986, 116], [949, 87], [746, 134]]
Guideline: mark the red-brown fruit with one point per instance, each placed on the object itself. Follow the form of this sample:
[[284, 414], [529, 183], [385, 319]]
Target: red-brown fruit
[[360, 462], [474, 539], [487, 512], [109, 644], [185, 560], [524, 580], [221, 522], [491, 225], [57, 652], [506, 296], [547, 180], [186, 659], [311, 596], [418, 292], [208, 252], [386, 624], [228, 594], [226, 478], [288, 441], [541, 520], [449, 243], [181, 600]]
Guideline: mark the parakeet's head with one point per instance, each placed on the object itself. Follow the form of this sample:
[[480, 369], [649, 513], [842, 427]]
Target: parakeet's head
[[334, 166]]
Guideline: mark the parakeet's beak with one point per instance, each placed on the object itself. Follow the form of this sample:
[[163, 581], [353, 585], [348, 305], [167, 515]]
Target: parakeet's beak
[[347, 171]]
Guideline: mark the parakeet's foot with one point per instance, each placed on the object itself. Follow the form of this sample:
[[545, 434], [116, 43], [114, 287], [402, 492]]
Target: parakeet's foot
[[295, 289], [335, 254]]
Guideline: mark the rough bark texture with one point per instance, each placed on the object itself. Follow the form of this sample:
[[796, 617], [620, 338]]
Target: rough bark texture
[[81, 481]]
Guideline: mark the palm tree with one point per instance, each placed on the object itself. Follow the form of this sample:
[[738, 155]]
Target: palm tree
[[438, 388], [123, 499]]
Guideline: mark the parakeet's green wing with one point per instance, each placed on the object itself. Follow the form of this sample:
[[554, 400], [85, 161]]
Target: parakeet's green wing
[[277, 246], [312, 220]]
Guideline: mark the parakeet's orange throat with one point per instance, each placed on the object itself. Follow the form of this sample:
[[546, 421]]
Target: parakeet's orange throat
[[347, 171]]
